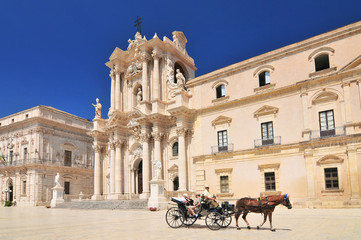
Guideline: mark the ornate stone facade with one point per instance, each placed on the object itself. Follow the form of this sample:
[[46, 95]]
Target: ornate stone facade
[[38, 143], [287, 121]]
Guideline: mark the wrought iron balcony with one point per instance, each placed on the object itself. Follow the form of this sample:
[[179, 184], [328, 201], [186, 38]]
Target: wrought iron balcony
[[224, 148], [338, 131], [36, 161], [267, 142]]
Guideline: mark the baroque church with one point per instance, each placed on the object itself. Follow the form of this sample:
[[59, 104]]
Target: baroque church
[[287, 121]]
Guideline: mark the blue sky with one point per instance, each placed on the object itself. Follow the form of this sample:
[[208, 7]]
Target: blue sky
[[53, 52]]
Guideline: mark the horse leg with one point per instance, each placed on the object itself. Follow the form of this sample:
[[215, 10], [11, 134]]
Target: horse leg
[[270, 222], [236, 216], [264, 220], [244, 218]]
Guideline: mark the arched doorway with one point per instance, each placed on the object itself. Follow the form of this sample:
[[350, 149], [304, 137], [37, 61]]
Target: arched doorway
[[10, 191], [175, 183], [139, 178]]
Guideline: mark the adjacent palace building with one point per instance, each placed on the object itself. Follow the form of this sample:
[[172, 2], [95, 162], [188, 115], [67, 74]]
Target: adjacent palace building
[[287, 121], [35, 145]]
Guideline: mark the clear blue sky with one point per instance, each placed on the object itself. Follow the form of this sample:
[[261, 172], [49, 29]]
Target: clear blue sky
[[53, 52]]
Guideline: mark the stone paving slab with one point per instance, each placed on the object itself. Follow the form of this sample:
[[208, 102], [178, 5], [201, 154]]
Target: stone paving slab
[[43, 223]]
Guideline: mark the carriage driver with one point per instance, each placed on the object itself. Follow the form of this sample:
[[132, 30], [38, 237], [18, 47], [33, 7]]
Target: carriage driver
[[211, 200]]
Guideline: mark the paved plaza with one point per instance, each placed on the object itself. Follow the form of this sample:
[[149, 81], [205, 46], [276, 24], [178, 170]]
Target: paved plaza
[[43, 223]]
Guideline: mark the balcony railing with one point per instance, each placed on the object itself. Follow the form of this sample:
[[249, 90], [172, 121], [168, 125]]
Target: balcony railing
[[267, 142], [219, 149], [338, 131], [32, 161]]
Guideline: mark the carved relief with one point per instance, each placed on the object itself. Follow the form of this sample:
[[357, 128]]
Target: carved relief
[[136, 42], [134, 68]]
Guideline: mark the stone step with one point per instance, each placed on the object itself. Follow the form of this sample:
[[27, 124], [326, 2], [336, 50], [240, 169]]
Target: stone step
[[110, 204]]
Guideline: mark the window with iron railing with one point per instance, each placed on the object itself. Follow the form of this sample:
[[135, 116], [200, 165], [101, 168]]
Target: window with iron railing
[[222, 141], [67, 158], [267, 133], [327, 123], [270, 181]]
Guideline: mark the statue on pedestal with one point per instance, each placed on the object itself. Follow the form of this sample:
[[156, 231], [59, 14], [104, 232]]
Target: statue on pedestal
[[57, 178], [98, 109], [139, 95]]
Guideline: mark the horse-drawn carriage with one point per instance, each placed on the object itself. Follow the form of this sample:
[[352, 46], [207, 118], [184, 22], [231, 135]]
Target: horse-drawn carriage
[[221, 217], [215, 218]]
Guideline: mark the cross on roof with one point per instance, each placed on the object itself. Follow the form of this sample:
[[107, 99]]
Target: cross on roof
[[137, 24]]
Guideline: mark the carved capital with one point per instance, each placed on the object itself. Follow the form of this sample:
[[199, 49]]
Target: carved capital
[[145, 57], [97, 148], [111, 145], [118, 143], [181, 132], [156, 54], [157, 136], [118, 70], [144, 137], [112, 74]]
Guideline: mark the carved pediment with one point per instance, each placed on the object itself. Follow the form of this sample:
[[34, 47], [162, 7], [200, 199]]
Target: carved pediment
[[356, 63], [173, 168], [69, 146], [117, 53], [329, 159], [221, 120], [265, 110], [325, 97]]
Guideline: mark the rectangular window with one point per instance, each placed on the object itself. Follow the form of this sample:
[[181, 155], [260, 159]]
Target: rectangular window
[[67, 158], [267, 133], [221, 91], [327, 123], [24, 188], [270, 181], [25, 153], [224, 184], [222, 141], [331, 178], [268, 77], [67, 187]]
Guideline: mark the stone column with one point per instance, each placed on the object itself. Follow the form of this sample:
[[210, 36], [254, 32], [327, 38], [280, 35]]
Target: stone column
[[112, 90], [117, 88], [112, 167], [353, 170], [157, 163], [156, 83], [145, 85], [146, 165], [182, 168], [311, 176], [97, 172], [118, 166]]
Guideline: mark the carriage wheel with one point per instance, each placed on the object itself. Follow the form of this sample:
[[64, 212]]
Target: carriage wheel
[[225, 220], [213, 220], [188, 221], [174, 217]]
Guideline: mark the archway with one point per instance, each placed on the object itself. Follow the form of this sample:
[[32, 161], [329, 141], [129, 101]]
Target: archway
[[139, 178], [10, 191]]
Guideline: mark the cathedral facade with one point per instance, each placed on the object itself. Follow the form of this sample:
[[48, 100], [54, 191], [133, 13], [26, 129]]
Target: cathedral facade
[[287, 121]]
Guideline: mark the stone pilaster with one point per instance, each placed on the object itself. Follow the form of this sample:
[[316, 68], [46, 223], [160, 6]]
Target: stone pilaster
[[182, 167], [353, 170], [157, 163], [347, 97]]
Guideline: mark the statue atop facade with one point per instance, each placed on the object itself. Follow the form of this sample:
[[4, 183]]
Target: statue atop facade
[[98, 109], [181, 81], [57, 182], [157, 168], [139, 95]]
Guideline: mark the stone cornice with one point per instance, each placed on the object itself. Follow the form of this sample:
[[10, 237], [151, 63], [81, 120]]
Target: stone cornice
[[318, 40], [292, 88]]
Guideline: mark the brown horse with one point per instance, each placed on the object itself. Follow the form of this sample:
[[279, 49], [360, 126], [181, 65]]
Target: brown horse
[[265, 205]]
